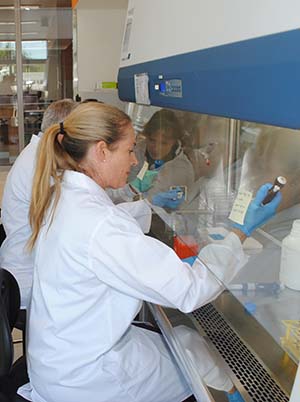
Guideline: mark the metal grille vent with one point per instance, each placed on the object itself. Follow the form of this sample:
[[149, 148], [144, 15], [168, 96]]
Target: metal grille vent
[[250, 372]]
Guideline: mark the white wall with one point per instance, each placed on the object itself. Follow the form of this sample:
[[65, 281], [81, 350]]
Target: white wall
[[162, 28], [100, 26]]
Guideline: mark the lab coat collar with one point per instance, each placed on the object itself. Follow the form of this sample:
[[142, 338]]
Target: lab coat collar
[[80, 180], [35, 138]]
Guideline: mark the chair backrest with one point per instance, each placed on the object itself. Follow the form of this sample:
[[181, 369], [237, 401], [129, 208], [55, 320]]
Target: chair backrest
[[10, 296], [9, 309], [3, 398], [6, 343]]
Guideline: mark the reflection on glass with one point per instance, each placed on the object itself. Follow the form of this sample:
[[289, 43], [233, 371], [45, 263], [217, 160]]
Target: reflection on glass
[[270, 152], [160, 144], [260, 153], [274, 151], [187, 151]]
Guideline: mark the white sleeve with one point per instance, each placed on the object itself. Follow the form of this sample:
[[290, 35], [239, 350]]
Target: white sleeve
[[223, 260], [146, 269], [120, 195], [140, 211]]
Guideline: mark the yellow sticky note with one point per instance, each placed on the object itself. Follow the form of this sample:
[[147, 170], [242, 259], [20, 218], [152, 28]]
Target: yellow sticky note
[[240, 206], [142, 172]]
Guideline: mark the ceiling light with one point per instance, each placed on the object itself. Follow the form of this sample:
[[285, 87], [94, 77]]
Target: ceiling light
[[12, 33], [22, 22], [26, 8]]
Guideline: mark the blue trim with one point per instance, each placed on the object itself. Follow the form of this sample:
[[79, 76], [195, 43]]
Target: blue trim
[[255, 80]]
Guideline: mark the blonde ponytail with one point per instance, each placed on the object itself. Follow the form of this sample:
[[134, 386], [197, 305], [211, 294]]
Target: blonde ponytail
[[52, 160]]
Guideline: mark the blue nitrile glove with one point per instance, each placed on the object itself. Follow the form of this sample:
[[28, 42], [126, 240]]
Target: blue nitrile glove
[[258, 214], [235, 397], [189, 260], [143, 185], [169, 199]]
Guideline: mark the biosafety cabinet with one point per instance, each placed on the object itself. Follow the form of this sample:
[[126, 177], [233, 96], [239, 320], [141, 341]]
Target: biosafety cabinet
[[230, 73]]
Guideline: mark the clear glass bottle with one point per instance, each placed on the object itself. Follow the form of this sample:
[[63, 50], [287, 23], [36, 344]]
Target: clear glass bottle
[[290, 258]]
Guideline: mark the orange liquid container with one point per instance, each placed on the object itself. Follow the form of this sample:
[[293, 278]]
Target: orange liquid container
[[185, 246]]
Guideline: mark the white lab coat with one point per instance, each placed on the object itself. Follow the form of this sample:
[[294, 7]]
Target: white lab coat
[[15, 210], [93, 267], [14, 214]]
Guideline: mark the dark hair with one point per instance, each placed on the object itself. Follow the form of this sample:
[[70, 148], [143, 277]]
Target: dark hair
[[166, 121], [91, 100]]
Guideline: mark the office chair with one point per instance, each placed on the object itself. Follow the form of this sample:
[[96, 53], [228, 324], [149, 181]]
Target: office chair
[[20, 322], [12, 375]]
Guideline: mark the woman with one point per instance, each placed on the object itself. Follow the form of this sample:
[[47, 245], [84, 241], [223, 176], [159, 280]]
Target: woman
[[94, 266], [161, 148]]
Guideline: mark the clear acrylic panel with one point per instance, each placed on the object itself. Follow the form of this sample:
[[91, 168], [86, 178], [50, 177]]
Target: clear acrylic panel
[[271, 152], [190, 151], [212, 158]]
